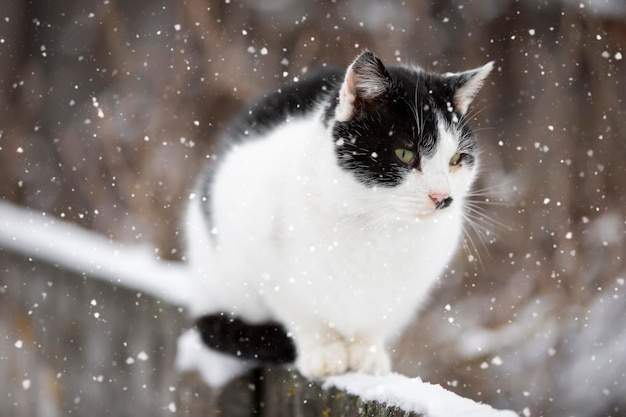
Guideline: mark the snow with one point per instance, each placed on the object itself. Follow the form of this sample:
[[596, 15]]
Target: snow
[[413, 395], [35, 234]]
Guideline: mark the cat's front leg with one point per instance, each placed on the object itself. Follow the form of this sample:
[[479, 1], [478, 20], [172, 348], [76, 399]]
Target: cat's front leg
[[321, 353], [368, 356]]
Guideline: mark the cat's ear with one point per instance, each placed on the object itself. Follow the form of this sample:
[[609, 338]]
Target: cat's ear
[[467, 84], [366, 79]]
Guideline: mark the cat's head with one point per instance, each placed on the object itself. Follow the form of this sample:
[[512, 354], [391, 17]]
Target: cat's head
[[404, 132]]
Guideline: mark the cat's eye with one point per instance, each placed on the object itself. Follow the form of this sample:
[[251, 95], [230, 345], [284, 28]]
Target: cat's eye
[[405, 156], [457, 158]]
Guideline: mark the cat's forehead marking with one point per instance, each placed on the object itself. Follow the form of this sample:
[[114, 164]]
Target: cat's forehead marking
[[429, 127], [448, 141], [444, 143]]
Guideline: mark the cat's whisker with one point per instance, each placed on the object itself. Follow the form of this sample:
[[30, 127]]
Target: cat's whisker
[[416, 109], [481, 214], [470, 246], [481, 229], [480, 225], [502, 187], [479, 218], [465, 119], [487, 202], [482, 233], [480, 129]]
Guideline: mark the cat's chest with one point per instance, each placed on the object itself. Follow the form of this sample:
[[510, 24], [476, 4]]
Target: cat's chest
[[362, 277], [355, 248]]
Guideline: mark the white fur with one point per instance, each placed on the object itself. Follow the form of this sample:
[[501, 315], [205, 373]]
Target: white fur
[[299, 240]]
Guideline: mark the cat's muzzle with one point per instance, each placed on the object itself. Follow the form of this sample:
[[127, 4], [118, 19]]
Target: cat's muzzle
[[442, 204]]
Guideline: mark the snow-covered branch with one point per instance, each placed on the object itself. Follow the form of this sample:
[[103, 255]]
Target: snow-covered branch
[[44, 237]]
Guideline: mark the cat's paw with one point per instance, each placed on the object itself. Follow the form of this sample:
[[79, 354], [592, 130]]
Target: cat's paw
[[370, 359], [325, 360]]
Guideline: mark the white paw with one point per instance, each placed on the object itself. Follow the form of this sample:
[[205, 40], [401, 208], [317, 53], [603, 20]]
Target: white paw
[[370, 359], [321, 361]]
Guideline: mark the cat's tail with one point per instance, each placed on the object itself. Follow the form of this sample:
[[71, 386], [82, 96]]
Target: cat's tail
[[263, 342], [221, 347]]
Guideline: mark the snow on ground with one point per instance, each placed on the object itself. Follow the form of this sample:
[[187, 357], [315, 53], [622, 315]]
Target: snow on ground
[[41, 236]]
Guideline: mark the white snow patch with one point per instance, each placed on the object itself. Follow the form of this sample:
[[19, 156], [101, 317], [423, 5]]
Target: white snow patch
[[413, 395]]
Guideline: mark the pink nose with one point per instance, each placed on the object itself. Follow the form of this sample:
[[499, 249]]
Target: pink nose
[[441, 200]]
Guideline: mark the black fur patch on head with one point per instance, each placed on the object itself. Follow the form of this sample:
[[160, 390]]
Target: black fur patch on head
[[406, 116], [289, 100], [267, 342]]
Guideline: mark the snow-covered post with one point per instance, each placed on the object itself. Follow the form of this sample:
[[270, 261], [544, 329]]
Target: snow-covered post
[[289, 394], [286, 393]]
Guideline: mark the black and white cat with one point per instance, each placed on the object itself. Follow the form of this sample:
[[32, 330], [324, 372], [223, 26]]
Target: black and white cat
[[334, 207]]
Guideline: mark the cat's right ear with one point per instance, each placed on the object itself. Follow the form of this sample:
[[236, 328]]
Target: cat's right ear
[[366, 79]]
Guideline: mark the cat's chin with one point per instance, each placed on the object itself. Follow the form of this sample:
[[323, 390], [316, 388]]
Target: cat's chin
[[430, 215], [416, 217]]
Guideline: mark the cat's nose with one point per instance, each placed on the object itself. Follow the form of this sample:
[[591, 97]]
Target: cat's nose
[[441, 200]]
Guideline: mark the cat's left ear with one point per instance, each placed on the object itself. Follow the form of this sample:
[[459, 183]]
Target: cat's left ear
[[366, 79], [467, 84]]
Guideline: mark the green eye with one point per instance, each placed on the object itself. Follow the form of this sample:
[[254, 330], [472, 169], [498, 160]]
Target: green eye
[[405, 156], [456, 159]]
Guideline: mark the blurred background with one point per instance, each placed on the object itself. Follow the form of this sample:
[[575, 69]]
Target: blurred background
[[108, 109]]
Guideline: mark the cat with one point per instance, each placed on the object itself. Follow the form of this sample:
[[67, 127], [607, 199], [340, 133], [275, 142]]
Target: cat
[[332, 208]]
